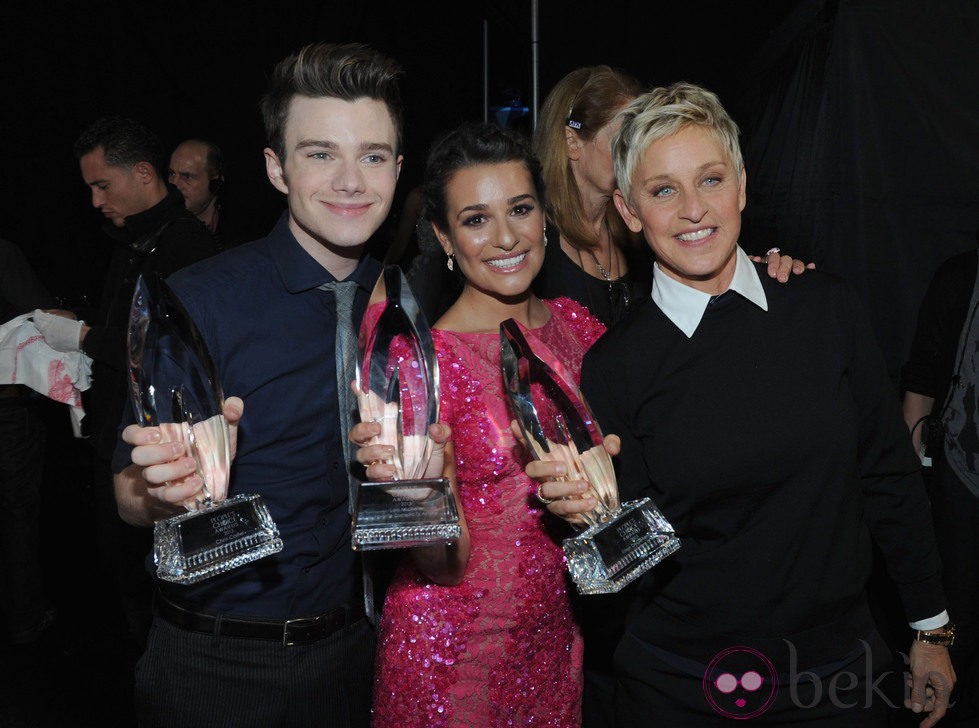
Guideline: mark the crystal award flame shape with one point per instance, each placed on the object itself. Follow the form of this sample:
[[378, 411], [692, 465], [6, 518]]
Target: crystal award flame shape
[[173, 385], [620, 542], [397, 385]]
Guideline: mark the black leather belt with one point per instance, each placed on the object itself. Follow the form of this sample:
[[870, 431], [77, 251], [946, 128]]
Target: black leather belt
[[302, 631]]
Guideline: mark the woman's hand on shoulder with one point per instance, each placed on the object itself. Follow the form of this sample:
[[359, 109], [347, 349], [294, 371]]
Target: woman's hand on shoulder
[[782, 266]]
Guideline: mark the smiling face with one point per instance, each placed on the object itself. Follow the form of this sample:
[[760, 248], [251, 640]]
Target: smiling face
[[687, 199], [495, 228], [339, 174]]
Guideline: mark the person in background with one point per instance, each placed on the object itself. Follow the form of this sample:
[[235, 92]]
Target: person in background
[[595, 259], [941, 369], [197, 170], [282, 641], [150, 231], [775, 549]]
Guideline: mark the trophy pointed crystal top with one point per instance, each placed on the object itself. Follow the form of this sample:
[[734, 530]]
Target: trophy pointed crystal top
[[173, 385], [621, 541], [397, 386]]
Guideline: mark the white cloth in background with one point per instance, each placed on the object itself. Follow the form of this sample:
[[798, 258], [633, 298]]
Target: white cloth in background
[[26, 358]]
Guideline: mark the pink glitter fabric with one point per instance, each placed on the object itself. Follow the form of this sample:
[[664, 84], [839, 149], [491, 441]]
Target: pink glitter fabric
[[501, 648]]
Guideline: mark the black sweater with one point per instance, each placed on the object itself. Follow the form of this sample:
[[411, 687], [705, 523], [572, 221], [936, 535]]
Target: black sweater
[[773, 442]]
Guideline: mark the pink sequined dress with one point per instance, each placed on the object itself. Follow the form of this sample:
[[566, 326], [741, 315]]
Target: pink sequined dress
[[501, 648]]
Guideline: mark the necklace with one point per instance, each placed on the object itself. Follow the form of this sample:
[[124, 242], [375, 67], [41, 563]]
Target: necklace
[[601, 268]]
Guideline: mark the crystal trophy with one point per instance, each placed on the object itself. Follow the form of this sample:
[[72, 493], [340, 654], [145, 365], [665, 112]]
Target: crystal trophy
[[619, 541], [397, 386], [173, 385]]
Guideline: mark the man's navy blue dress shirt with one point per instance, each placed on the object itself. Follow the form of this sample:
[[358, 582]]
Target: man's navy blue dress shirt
[[271, 333]]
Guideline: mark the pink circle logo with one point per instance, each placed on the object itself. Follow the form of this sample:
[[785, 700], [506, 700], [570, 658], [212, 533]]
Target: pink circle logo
[[740, 683]]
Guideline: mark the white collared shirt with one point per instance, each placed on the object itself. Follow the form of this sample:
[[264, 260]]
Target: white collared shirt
[[685, 306]]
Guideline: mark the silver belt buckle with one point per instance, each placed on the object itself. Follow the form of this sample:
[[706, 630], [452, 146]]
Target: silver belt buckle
[[286, 641]]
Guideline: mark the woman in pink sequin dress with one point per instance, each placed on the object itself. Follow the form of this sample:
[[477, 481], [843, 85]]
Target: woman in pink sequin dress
[[482, 633]]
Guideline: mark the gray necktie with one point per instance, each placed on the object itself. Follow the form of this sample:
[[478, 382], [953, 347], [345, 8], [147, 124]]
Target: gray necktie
[[346, 362]]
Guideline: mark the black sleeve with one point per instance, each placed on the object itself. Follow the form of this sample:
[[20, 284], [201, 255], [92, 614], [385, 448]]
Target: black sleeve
[[896, 508]]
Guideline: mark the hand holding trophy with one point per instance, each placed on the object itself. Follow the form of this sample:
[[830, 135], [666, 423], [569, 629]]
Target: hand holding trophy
[[397, 387], [621, 541], [173, 386]]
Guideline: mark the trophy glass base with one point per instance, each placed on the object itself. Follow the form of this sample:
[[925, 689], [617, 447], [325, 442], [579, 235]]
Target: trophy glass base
[[195, 546], [610, 555], [404, 513]]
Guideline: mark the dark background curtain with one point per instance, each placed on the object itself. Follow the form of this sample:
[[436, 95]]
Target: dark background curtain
[[862, 147]]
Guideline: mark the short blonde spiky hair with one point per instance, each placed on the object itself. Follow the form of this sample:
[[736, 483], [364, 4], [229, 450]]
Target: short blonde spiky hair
[[663, 112]]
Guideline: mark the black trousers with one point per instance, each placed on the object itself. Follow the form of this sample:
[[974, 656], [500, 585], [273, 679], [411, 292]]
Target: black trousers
[[193, 680]]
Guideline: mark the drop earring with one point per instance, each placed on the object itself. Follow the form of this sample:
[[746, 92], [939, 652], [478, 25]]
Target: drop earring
[[448, 262]]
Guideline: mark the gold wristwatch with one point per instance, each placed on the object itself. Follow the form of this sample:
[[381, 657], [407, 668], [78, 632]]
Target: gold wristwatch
[[943, 636]]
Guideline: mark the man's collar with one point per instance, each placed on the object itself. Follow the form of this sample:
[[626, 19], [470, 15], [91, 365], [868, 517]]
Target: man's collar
[[301, 272], [143, 223], [685, 306]]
